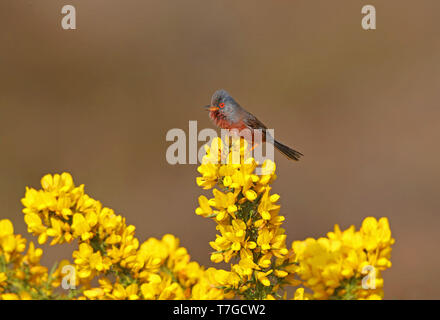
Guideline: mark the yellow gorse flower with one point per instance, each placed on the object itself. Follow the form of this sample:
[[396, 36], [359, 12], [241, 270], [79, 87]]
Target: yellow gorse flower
[[250, 235], [110, 262], [21, 275], [340, 265], [108, 247], [248, 221]]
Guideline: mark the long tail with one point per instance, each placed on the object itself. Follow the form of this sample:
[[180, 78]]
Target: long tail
[[288, 152]]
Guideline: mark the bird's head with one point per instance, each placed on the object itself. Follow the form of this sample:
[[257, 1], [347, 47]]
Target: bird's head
[[221, 103]]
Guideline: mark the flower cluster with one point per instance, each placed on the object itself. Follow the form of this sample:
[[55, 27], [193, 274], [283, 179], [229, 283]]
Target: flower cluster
[[167, 273], [248, 221], [346, 264], [110, 262], [108, 250], [21, 275]]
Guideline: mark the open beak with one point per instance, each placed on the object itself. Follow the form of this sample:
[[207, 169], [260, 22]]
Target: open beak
[[210, 108]]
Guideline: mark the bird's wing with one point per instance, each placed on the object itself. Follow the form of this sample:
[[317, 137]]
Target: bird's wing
[[252, 122]]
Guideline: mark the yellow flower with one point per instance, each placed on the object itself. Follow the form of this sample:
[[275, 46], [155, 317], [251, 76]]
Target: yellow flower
[[249, 230], [268, 173], [204, 208], [121, 293], [9, 296], [81, 226], [206, 290], [300, 295], [231, 240], [10, 245], [251, 195], [90, 262], [57, 183], [335, 266], [33, 255], [247, 218], [262, 277], [225, 204], [267, 207], [94, 293], [57, 230], [6, 228]]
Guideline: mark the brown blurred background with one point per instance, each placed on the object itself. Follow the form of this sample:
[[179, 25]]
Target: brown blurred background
[[361, 105]]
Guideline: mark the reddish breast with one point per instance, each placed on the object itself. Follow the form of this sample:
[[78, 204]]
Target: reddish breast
[[221, 122]]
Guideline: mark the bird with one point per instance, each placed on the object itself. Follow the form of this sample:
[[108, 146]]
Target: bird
[[226, 113]]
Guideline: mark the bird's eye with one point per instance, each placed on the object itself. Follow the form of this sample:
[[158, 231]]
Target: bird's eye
[[221, 105]]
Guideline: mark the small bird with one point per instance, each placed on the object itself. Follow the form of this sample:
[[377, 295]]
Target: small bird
[[226, 113]]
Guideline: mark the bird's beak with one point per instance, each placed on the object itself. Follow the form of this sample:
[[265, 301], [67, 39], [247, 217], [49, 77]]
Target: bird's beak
[[210, 108]]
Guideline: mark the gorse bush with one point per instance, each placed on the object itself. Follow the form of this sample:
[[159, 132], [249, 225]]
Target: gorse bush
[[111, 263]]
